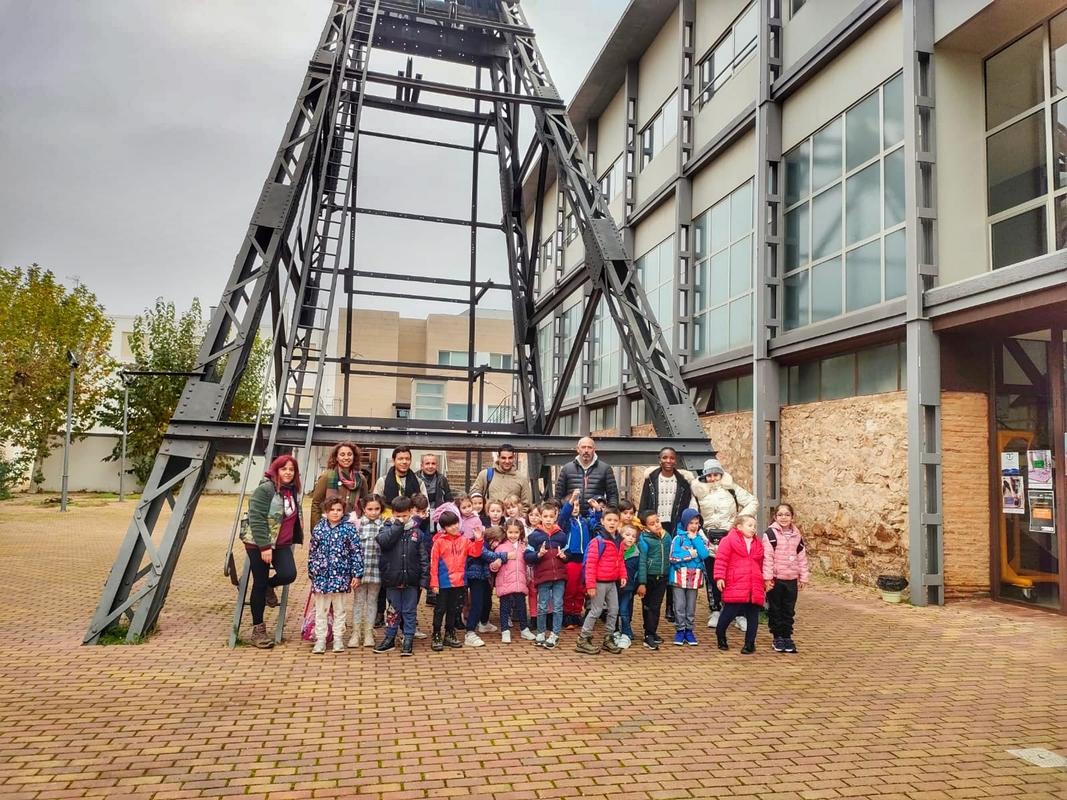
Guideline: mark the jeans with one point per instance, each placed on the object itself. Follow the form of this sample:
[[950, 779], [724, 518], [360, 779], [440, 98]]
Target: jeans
[[513, 607], [781, 607], [479, 593], [606, 597], [284, 573], [750, 611], [323, 603], [626, 610], [685, 607], [449, 602], [406, 602], [550, 592], [655, 590]]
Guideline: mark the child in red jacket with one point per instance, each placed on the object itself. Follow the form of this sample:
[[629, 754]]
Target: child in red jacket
[[448, 567], [604, 570], [739, 576]]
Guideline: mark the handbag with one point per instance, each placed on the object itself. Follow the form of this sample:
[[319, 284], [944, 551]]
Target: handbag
[[307, 630]]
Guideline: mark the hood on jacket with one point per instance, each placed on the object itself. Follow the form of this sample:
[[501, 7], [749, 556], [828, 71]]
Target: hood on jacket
[[591, 463], [686, 516], [684, 474]]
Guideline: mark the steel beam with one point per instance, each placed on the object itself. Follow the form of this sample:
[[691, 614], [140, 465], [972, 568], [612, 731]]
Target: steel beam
[[465, 92]]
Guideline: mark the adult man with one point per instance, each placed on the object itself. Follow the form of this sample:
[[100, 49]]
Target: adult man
[[666, 490], [589, 475], [400, 480], [434, 483], [503, 479]]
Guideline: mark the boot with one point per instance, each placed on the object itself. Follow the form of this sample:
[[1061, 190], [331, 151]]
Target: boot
[[405, 648], [437, 643], [368, 634], [585, 645], [260, 637], [722, 643], [387, 644], [319, 648], [451, 640], [271, 597], [609, 644]]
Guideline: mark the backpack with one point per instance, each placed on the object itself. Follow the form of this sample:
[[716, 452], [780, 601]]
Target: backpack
[[733, 494], [489, 473], [599, 552], [772, 537]]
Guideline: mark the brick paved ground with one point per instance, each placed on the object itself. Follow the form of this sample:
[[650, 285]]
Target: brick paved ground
[[886, 702]]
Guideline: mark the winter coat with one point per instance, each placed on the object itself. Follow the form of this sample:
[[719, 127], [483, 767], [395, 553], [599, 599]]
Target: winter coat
[[604, 562], [404, 560], [632, 559], [372, 552], [469, 526], [549, 567], [788, 558], [329, 486], [596, 480], [510, 575], [436, 487], [687, 569], [683, 495], [266, 511], [741, 568], [448, 560], [719, 504], [502, 485], [479, 568], [654, 554], [335, 557], [579, 530]]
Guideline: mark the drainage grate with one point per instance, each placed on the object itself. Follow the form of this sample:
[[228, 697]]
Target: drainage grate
[[1040, 757]]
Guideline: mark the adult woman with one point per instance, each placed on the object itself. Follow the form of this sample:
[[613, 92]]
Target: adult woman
[[274, 526], [342, 478]]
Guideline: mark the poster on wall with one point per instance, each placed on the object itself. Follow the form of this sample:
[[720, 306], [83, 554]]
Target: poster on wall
[[1039, 469], [1009, 464], [1041, 503], [1011, 491]]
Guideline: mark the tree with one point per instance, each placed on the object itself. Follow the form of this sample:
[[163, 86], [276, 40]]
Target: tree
[[164, 341], [40, 320]]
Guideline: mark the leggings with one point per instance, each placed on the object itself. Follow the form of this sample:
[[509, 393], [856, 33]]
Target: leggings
[[284, 573], [449, 602]]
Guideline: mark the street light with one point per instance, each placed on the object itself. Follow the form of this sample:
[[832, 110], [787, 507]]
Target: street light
[[72, 360]]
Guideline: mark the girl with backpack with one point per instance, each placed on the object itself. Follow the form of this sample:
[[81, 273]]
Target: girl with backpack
[[739, 576], [785, 572]]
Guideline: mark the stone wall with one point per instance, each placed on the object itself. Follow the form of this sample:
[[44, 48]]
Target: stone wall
[[965, 490], [844, 469]]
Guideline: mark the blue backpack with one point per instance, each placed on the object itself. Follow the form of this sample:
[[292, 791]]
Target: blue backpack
[[599, 553]]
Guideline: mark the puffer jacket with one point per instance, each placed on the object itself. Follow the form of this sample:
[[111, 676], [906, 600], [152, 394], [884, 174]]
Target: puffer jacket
[[335, 556], [717, 505], [448, 559], [788, 558], [579, 530], [549, 567], [604, 561], [510, 574], [655, 556], [650, 495], [479, 567], [404, 560], [595, 480], [741, 568], [687, 568]]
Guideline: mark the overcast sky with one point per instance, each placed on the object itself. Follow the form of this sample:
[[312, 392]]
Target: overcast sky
[[135, 138]]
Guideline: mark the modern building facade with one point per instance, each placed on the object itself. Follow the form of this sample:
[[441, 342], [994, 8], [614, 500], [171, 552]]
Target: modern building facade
[[850, 217]]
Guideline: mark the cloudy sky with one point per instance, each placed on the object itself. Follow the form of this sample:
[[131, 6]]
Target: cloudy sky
[[135, 137]]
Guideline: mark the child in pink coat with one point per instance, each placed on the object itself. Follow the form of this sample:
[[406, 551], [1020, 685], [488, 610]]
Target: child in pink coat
[[511, 581], [785, 572], [739, 576]]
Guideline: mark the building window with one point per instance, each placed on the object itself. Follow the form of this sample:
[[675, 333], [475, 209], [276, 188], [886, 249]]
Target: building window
[[452, 358], [655, 271], [458, 412], [1026, 115], [731, 395], [402, 411], [661, 129], [546, 347], [870, 371], [606, 351], [458, 358], [795, 6], [722, 303], [726, 56], [639, 412], [499, 360], [569, 320], [602, 418], [428, 400], [570, 226], [611, 182], [567, 425], [546, 269], [844, 222]]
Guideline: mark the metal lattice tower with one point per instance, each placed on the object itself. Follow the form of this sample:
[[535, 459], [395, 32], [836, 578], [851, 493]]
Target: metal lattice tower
[[299, 260]]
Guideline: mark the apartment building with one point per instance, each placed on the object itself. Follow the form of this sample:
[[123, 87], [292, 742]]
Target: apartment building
[[850, 218]]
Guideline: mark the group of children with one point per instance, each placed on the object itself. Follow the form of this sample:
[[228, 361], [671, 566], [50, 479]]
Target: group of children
[[551, 567]]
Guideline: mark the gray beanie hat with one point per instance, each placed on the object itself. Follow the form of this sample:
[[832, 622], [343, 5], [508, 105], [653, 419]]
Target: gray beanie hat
[[712, 467]]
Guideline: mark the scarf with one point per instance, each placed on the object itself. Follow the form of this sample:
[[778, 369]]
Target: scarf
[[392, 485], [349, 483], [431, 483]]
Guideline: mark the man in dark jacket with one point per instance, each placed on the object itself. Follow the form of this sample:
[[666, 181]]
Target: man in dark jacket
[[589, 475], [436, 485], [666, 490], [405, 567]]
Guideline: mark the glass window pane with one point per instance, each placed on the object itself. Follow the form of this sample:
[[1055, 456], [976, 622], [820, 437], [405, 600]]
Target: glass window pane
[[719, 281], [1015, 163], [1058, 30], [746, 30], [741, 267], [893, 112], [719, 329], [863, 215], [826, 155], [807, 383], [894, 188], [863, 276], [1014, 79], [826, 290], [838, 378], [1019, 238], [741, 211], [741, 321], [700, 334], [895, 264], [670, 120], [719, 227], [878, 369], [1061, 222], [796, 238], [796, 301], [726, 396], [744, 393], [826, 223], [700, 236], [1059, 141], [862, 137], [797, 173], [720, 61]]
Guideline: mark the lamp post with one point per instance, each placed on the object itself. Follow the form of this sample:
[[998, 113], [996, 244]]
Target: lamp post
[[125, 433], [72, 360]]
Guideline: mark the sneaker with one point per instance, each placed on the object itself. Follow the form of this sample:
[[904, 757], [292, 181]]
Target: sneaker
[[406, 647], [539, 640], [319, 648], [651, 643], [713, 620], [356, 640], [658, 638], [551, 641], [419, 634], [778, 644], [610, 644], [505, 636], [473, 640], [747, 650], [691, 639], [368, 639], [722, 644], [679, 638], [437, 644], [527, 634], [338, 645], [387, 644], [741, 624], [623, 641], [451, 640], [790, 646], [487, 627], [669, 616]]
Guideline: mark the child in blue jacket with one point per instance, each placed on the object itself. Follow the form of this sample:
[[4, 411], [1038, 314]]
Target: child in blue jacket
[[632, 558], [688, 551], [579, 530]]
